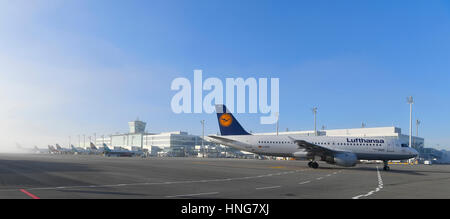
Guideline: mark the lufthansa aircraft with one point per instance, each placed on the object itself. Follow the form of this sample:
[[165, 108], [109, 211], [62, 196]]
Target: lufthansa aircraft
[[341, 151]]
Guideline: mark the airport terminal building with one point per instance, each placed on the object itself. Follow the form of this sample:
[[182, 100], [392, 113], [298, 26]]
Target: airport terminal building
[[177, 143]]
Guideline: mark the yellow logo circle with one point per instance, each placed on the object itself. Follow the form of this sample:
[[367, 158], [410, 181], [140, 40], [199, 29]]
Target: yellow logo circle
[[225, 120]]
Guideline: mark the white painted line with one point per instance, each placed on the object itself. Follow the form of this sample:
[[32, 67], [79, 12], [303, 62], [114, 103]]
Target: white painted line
[[380, 186], [319, 178], [156, 183], [271, 187], [304, 182], [189, 195]]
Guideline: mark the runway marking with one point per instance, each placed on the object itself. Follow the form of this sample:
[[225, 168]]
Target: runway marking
[[270, 187], [278, 167], [159, 183], [29, 194], [320, 178], [190, 195], [380, 186]]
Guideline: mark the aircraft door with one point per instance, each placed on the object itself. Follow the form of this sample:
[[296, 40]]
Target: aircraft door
[[390, 146]]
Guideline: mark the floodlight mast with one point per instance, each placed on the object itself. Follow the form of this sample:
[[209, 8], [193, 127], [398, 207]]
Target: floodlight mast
[[417, 127], [278, 122], [410, 102], [314, 110], [203, 137]]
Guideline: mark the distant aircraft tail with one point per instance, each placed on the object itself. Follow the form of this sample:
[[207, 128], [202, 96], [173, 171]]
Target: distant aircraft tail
[[227, 123], [93, 146], [51, 148], [106, 148]]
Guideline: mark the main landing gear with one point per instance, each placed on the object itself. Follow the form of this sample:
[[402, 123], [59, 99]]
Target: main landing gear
[[386, 167], [313, 164]]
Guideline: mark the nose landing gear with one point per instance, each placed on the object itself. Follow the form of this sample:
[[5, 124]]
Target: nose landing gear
[[386, 167]]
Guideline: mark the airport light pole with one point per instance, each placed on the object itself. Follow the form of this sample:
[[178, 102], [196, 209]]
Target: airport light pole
[[203, 136], [410, 101], [315, 120], [417, 127], [278, 121]]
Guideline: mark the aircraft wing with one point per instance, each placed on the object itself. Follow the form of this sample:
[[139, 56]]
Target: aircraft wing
[[226, 140], [316, 149]]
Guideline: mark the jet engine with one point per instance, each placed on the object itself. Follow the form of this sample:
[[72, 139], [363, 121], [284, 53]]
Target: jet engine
[[345, 159], [303, 155]]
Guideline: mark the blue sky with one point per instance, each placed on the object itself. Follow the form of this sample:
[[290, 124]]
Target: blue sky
[[82, 67]]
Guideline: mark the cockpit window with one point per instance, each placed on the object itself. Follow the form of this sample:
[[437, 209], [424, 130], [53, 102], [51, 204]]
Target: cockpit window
[[405, 145]]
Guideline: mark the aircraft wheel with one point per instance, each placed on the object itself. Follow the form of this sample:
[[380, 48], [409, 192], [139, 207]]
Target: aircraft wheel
[[310, 164], [386, 168], [314, 165]]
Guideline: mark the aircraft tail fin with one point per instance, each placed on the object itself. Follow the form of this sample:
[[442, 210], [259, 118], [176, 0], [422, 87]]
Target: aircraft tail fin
[[228, 124], [93, 146]]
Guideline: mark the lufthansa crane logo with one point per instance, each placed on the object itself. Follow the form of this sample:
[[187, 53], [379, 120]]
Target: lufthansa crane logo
[[225, 120]]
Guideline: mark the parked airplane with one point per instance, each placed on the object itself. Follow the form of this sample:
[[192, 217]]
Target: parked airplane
[[94, 150], [52, 150], [120, 153], [34, 150], [341, 151], [79, 150], [61, 150], [40, 150]]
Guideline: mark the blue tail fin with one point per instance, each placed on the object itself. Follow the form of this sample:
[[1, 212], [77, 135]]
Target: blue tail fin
[[227, 123]]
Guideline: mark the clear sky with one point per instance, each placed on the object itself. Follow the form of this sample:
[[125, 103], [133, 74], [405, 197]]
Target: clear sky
[[82, 67]]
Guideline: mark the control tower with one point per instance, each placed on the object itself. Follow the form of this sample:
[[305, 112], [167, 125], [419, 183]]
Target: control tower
[[137, 127]]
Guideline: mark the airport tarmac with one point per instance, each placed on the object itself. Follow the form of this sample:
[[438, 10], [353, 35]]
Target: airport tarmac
[[79, 177]]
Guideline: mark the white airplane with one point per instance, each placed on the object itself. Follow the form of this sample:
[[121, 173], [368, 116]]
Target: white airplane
[[79, 150], [120, 152], [94, 150], [61, 150], [341, 151], [34, 150]]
